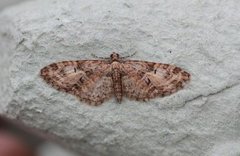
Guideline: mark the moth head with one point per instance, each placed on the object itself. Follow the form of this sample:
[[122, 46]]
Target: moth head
[[114, 56]]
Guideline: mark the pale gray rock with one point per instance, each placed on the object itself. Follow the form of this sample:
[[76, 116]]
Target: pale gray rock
[[6, 3], [202, 37]]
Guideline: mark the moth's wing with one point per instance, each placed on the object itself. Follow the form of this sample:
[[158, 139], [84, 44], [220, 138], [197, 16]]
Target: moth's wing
[[143, 80], [96, 90], [89, 80]]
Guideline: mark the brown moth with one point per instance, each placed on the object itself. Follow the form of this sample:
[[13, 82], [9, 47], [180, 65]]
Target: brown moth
[[94, 81]]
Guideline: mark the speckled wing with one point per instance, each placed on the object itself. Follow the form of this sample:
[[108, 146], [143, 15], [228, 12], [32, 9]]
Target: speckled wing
[[143, 80], [89, 80]]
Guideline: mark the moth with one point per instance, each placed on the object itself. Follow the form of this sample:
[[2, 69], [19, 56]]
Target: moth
[[94, 81]]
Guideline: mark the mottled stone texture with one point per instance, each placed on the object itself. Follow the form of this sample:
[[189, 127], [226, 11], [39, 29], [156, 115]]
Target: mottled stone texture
[[6, 3], [199, 36]]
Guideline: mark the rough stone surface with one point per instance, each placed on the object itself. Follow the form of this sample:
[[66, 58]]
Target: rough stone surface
[[6, 3], [200, 36]]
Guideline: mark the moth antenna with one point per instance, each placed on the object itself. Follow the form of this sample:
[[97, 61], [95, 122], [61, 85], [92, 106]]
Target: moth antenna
[[95, 56], [129, 55]]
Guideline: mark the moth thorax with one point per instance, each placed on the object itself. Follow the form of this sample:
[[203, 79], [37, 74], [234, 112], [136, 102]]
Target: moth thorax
[[115, 65]]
